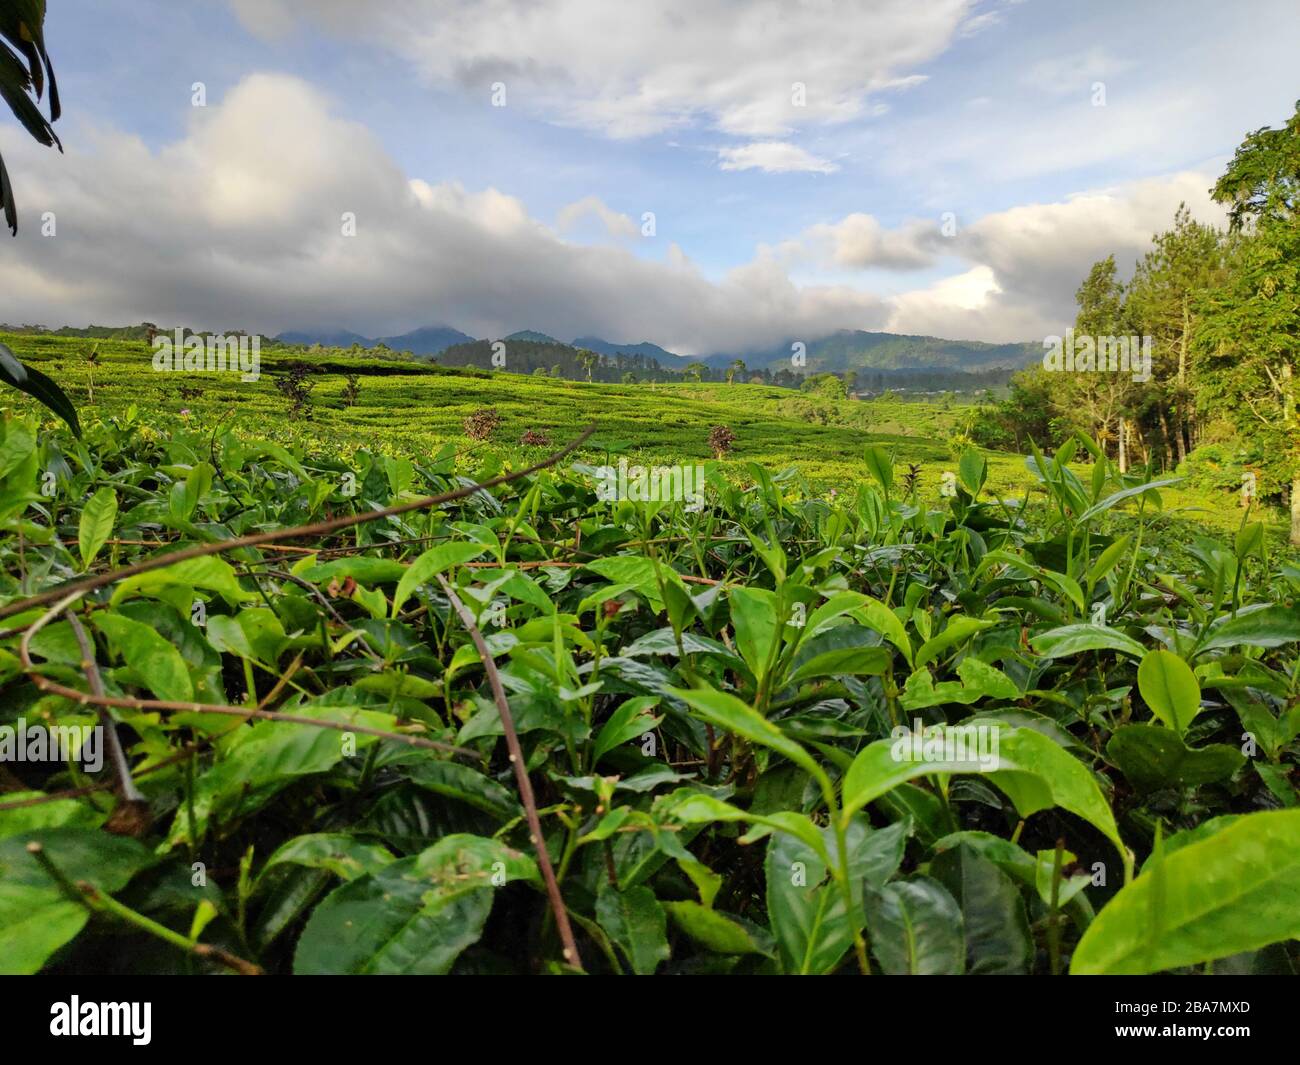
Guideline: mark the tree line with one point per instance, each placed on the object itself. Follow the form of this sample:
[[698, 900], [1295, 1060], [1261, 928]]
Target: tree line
[[1221, 306]]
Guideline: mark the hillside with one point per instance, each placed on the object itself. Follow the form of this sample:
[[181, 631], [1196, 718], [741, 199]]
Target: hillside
[[856, 349], [415, 408]]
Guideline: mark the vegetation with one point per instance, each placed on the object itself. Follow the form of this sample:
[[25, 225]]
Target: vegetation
[[1222, 311], [335, 665], [707, 706]]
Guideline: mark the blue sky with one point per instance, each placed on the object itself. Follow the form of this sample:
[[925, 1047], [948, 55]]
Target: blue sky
[[1050, 133]]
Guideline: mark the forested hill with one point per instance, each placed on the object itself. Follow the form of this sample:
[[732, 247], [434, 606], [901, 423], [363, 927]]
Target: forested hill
[[857, 349]]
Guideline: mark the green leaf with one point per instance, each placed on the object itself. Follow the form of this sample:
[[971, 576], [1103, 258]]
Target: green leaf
[[637, 572], [467, 784], [359, 567], [851, 661], [636, 922], [415, 915], [1155, 757], [343, 855], [36, 384], [1127, 493], [96, 524], [51, 814], [1032, 770], [998, 940], [36, 916], [153, 659], [958, 630], [209, 572], [718, 932], [875, 615], [1067, 586], [1169, 688], [753, 617], [1269, 625], [915, 928], [17, 445], [433, 562], [880, 466], [267, 757], [806, 908], [972, 469], [1108, 559], [694, 807], [1236, 890], [730, 713], [1069, 640], [632, 718]]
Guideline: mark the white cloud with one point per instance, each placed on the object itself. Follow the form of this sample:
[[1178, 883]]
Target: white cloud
[[858, 241], [1034, 257], [774, 157], [238, 225], [632, 69], [615, 223]]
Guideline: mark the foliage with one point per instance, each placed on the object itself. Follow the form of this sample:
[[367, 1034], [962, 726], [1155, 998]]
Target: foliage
[[709, 703], [24, 66]]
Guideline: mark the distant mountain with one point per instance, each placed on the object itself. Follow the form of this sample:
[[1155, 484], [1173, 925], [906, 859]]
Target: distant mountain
[[847, 349], [608, 347], [429, 340], [856, 349]]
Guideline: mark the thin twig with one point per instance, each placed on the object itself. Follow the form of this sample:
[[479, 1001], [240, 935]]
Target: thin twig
[[130, 793], [131, 703], [521, 777]]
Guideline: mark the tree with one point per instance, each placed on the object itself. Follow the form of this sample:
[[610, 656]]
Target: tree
[[629, 378], [1093, 400], [824, 384], [588, 360], [694, 372], [1249, 340], [1165, 302], [736, 366]]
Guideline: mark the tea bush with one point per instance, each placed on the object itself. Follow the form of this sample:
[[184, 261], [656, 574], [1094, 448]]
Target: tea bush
[[782, 733]]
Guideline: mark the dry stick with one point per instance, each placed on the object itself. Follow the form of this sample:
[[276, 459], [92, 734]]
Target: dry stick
[[131, 703], [130, 793], [168, 543], [320, 528], [521, 777], [282, 683]]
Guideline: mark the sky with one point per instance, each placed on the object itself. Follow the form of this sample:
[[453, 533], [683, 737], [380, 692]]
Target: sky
[[709, 175]]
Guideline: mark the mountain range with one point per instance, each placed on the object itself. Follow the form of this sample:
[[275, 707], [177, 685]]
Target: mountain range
[[846, 349]]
